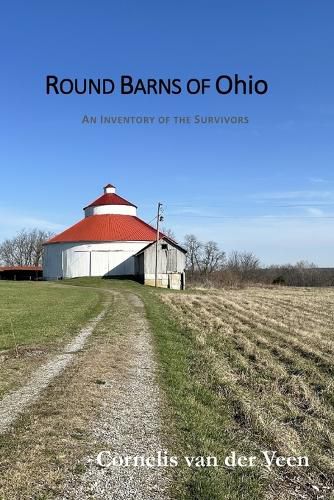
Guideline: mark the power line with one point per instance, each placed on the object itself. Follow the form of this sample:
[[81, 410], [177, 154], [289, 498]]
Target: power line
[[154, 218], [256, 203], [251, 216]]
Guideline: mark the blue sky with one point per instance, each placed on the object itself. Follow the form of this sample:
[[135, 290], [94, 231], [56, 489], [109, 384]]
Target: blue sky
[[266, 187]]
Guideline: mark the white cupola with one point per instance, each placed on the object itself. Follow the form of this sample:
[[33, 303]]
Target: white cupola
[[110, 203], [109, 188]]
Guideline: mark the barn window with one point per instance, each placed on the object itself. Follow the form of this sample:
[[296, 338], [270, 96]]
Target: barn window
[[164, 246]]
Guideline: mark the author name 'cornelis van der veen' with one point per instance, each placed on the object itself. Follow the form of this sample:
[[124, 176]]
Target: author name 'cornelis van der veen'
[[267, 459]]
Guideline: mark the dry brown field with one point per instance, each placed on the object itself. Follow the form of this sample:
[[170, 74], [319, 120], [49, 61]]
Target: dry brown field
[[269, 356]]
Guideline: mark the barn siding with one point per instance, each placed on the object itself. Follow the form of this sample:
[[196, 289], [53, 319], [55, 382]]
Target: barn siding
[[170, 260], [73, 260]]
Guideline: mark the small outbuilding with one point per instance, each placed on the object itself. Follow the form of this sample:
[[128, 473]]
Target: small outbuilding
[[163, 266], [30, 273]]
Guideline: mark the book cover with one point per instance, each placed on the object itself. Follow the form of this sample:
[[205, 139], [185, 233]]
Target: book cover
[[166, 250]]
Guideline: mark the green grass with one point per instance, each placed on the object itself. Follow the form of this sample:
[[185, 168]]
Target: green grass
[[109, 284], [35, 314], [201, 421]]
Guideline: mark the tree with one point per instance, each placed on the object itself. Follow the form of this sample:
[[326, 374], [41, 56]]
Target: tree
[[194, 249], [169, 233], [25, 249], [204, 258], [212, 258], [303, 273], [244, 265]]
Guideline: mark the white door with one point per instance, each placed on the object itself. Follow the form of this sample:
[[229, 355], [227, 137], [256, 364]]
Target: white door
[[175, 281], [121, 263], [76, 263], [97, 263], [100, 263]]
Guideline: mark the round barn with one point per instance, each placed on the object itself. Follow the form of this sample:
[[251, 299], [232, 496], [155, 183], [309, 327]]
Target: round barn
[[112, 241]]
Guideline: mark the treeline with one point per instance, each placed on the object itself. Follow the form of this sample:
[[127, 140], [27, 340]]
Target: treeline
[[24, 249], [207, 265], [301, 274]]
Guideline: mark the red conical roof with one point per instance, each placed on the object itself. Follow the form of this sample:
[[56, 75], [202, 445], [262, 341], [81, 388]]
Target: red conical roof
[[108, 227]]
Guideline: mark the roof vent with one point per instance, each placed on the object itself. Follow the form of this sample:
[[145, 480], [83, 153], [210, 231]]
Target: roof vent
[[109, 188]]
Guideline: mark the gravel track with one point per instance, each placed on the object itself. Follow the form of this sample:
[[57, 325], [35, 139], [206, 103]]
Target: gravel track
[[15, 403], [129, 422]]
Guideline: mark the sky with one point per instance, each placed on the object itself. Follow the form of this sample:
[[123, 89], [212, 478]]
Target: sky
[[266, 186]]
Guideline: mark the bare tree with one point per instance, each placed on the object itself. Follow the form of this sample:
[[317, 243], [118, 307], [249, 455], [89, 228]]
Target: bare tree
[[194, 249], [203, 258], [243, 265], [169, 233], [25, 249], [212, 258]]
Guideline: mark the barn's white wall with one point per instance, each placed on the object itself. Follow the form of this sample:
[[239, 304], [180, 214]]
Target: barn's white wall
[[111, 209], [72, 260], [52, 261]]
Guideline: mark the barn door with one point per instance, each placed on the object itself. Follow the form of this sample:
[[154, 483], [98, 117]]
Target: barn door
[[121, 264], [171, 260], [76, 263], [100, 263], [111, 263], [174, 281]]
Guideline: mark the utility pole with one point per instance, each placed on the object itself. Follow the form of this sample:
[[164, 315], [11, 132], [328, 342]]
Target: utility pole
[[157, 243]]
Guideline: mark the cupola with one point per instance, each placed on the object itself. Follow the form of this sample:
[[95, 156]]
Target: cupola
[[110, 203], [109, 189]]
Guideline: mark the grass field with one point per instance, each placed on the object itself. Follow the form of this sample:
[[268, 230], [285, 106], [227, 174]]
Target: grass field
[[34, 313], [36, 318]]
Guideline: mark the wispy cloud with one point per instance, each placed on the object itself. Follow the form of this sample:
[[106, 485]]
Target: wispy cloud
[[191, 211], [295, 195], [317, 180], [316, 212], [11, 222]]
